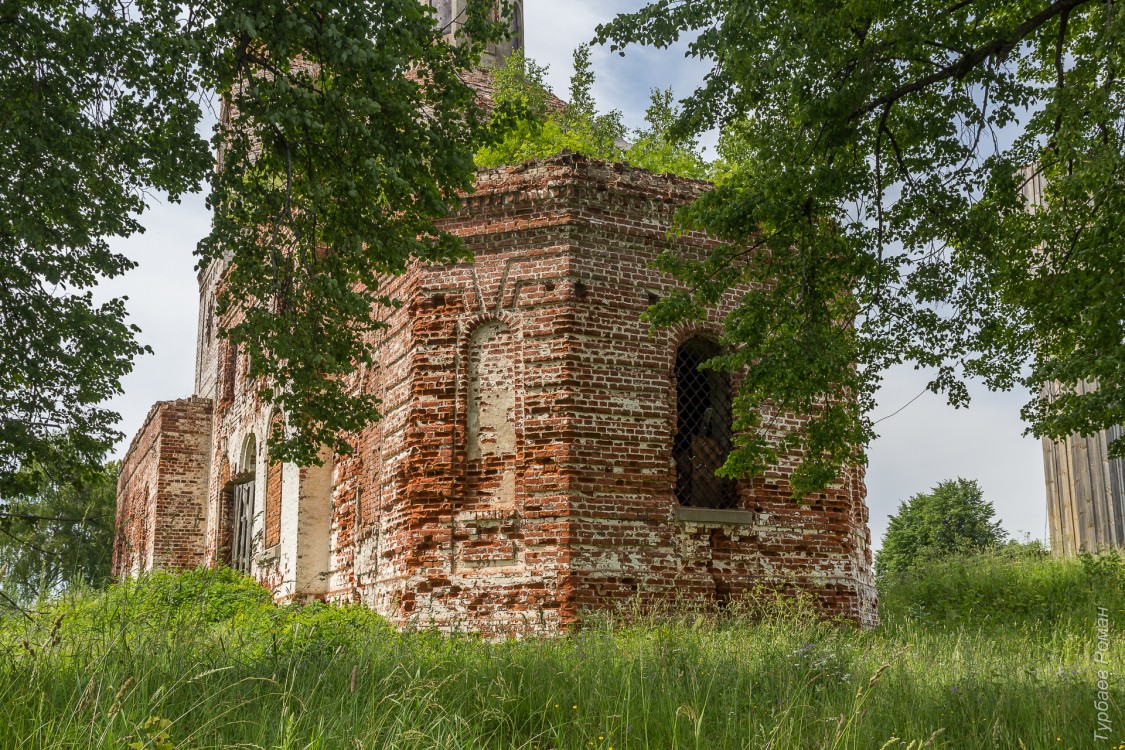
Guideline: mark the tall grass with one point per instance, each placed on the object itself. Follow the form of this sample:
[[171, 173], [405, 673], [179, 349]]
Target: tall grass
[[974, 653]]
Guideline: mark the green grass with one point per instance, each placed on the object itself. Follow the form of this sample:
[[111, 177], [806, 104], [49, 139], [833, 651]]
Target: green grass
[[987, 652]]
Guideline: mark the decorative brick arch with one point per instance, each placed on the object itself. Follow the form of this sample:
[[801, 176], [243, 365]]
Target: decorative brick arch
[[492, 357], [247, 464], [228, 372], [222, 533]]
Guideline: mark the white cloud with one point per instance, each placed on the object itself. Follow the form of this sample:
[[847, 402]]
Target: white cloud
[[163, 303]]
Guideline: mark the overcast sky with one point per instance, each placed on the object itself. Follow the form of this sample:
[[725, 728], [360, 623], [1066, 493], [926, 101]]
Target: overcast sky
[[923, 444]]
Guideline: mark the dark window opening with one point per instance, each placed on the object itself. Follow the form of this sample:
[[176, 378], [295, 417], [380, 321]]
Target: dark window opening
[[208, 318], [703, 429], [517, 27], [230, 371]]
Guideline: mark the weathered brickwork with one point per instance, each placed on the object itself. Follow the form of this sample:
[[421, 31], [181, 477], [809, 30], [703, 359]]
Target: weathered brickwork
[[275, 477], [161, 489], [523, 470]]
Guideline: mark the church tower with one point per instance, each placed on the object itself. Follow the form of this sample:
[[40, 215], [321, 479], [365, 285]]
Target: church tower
[[542, 452], [451, 16]]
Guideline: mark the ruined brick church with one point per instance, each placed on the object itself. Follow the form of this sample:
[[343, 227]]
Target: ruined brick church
[[542, 451]]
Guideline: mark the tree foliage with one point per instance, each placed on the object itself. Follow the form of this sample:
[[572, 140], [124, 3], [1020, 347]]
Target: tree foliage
[[98, 109], [659, 147], [346, 130], [349, 131], [536, 125], [874, 166], [953, 518], [58, 536]]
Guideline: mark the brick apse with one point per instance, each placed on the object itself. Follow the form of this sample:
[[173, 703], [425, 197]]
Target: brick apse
[[543, 452]]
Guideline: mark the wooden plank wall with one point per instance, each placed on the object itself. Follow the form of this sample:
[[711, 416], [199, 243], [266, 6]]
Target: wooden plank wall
[[1085, 491]]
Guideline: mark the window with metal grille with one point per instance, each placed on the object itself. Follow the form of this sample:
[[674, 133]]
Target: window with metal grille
[[703, 428]]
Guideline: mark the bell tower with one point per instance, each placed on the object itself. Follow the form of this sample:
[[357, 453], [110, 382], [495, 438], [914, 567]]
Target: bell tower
[[451, 16]]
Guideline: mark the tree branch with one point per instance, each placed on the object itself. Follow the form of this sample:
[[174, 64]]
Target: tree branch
[[15, 605], [56, 519], [961, 67]]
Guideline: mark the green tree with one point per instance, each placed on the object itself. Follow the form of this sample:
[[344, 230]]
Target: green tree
[[535, 124], [871, 198], [658, 147], [345, 125], [57, 537], [951, 519]]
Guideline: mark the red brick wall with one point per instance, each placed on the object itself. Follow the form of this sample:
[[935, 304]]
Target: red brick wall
[[162, 490], [139, 474], [580, 512], [273, 493], [523, 471]]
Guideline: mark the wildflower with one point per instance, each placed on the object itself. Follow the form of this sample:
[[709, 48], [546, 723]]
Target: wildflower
[[575, 707]]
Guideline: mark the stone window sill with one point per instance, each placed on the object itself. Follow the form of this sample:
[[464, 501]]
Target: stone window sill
[[713, 515]]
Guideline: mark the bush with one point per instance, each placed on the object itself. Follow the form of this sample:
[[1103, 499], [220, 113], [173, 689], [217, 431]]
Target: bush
[[1017, 585], [205, 661], [951, 519], [212, 609]]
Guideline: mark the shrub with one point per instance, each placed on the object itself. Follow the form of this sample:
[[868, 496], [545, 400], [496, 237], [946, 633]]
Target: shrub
[[210, 609], [953, 518], [1013, 586]]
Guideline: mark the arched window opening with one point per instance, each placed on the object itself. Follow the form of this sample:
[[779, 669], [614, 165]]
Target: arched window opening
[[242, 536], [273, 487], [517, 26], [703, 428], [208, 320], [444, 11]]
